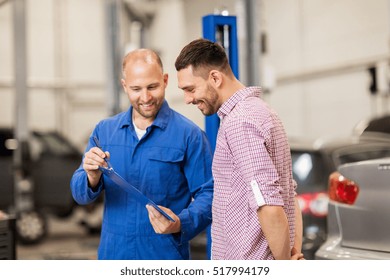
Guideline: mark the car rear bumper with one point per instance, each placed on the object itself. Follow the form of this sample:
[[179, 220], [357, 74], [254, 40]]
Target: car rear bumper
[[332, 250]]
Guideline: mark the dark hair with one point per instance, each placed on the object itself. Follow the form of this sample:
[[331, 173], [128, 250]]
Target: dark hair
[[202, 55]]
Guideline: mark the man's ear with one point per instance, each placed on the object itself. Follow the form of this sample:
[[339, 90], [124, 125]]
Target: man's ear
[[165, 77], [215, 77], [123, 84]]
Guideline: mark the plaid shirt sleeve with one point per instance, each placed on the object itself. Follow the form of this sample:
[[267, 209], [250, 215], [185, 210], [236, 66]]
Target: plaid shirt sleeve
[[248, 142]]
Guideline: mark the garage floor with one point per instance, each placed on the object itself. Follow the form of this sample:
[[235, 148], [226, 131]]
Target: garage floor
[[67, 239]]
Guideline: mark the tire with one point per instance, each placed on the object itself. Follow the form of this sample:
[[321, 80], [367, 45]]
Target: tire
[[64, 212], [31, 227]]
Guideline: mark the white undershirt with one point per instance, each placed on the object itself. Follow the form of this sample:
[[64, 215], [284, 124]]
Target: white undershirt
[[140, 132]]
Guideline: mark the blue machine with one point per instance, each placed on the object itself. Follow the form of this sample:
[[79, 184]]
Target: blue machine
[[221, 29]]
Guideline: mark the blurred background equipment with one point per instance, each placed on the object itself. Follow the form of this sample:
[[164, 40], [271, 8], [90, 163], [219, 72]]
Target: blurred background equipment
[[51, 161], [7, 237]]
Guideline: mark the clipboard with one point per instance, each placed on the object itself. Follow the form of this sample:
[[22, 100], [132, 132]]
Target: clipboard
[[126, 186]]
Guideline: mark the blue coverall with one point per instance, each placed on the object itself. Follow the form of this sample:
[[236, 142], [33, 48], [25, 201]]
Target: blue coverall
[[170, 164]]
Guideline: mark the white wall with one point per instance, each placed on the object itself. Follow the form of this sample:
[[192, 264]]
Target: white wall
[[319, 50], [335, 39], [6, 64], [65, 66]]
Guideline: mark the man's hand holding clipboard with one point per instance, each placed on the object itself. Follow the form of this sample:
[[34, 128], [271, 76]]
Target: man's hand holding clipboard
[[123, 184]]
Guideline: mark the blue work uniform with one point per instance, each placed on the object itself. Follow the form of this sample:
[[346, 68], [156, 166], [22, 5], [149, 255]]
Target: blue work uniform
[[170, 164]]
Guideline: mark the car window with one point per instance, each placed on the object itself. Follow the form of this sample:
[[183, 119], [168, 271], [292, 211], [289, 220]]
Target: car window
[[55, 145], [309, 171], [39, 144], [381, 124], [355, 156]]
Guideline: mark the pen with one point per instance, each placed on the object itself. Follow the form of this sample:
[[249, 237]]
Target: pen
[[97, 143]]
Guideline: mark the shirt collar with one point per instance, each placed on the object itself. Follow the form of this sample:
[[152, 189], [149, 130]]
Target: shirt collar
[[161, 119], [241, 94]]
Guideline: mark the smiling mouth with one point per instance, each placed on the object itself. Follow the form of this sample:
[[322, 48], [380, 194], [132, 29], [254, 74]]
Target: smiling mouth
[[147, 106], [201, 106]]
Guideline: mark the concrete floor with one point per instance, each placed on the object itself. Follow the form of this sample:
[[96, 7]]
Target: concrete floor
[[67, 239]]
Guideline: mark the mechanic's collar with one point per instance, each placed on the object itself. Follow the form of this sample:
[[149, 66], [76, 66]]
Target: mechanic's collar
[[161, 119]]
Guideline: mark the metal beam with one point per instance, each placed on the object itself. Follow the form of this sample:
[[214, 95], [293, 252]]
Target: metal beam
[[3, 2], [252, 43], [112, 10], [359, 65], [20, 68], [23, 187]]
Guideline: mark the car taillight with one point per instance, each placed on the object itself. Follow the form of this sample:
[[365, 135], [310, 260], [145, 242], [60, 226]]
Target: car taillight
[[315, 204], [342, 189]]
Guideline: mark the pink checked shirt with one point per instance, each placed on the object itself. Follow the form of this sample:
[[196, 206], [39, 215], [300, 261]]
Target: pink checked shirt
[[251, 168]]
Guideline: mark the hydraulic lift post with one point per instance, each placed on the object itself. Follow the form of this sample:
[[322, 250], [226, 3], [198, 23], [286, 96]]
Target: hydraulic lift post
[[223, 30]]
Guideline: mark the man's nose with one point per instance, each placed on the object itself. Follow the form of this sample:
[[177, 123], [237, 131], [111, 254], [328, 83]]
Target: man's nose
[[188, 98], [145, 95]]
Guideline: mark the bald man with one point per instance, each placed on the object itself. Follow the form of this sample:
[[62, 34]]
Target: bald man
[[160, 152]]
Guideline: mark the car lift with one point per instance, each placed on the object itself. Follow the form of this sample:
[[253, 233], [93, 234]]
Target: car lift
[[223, 30]]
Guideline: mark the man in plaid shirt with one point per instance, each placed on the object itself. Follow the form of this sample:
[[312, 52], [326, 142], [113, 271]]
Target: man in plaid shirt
[[255, 211]]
